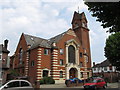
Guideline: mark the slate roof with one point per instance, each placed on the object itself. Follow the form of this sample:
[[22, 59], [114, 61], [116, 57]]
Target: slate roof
[[32, 39], [76, 16], [56, 38], [36, 41], [102, 64], [3, 49]]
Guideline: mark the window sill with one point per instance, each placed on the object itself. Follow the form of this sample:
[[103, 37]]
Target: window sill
[[62, 65], [46, 54]]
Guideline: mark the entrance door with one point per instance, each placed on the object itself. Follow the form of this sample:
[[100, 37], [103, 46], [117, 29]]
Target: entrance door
[[73, 73]]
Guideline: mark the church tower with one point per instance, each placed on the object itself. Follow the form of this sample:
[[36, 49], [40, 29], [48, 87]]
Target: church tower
[[79, 26]]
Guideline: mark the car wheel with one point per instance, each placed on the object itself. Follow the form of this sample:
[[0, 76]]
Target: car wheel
[[104, 86], [77, 82], [85, 88], [68, 83], [95, 88]]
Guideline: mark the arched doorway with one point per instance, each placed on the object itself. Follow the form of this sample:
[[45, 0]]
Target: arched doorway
[[71, 54], [73, 73]]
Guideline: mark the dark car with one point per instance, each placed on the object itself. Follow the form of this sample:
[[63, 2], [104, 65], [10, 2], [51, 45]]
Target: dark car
[[96, 83], [68, 82]]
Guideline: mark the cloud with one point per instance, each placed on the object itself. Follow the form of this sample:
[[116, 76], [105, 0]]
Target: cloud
[[59, 1], [30, 17], [98, 37], [46, 18], [80, 6]]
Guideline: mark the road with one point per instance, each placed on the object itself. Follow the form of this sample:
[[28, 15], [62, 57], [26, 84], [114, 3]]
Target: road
[[62, 85], [75, 89]]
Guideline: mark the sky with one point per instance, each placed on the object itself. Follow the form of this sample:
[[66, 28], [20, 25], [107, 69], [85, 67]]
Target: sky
[[45, 19]]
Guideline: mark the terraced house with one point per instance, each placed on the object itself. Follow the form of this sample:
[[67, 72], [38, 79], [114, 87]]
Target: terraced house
[[61, 57]]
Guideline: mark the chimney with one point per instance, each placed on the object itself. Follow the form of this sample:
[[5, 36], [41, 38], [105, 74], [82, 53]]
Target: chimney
[[6, 43], [93, 63]]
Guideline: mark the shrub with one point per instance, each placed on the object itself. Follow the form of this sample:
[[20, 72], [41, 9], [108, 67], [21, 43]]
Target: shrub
[[41, 81], [51, 80], [14, 72], [47, 80]]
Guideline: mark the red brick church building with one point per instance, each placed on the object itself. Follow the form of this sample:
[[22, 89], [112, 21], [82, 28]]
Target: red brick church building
[[62, 56]]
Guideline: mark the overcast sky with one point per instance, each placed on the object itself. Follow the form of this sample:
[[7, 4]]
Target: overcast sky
[[45, 19]]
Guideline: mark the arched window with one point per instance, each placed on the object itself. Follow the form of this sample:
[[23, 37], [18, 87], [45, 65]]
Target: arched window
[[71, 54], [20, 55]]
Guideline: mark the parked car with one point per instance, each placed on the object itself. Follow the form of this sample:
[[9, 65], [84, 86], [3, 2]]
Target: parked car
[[72, 81], [17, 85], [96, 83]]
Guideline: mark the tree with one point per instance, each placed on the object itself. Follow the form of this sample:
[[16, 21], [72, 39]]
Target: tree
[[14, 73], [106, 12], [112, 49], [109, 14]]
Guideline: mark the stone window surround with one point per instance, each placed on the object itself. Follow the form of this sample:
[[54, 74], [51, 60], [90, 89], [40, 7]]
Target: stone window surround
[[43, 70], [61, 72], [76, 46], [69, 66], [46, 51]]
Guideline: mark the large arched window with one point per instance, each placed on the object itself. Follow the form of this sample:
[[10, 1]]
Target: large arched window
[[71, 54]]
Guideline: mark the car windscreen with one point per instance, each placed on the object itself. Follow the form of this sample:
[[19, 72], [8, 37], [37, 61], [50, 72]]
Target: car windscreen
[[13, 84], [24, 84], [92, 81]]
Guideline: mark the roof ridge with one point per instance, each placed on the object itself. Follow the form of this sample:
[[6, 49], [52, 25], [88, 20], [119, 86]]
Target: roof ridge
[[35, 37], [35, 41], [103, 63], [58, 35]]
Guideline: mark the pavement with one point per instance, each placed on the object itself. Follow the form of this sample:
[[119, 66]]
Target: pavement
[[62, 85], [113, 85]]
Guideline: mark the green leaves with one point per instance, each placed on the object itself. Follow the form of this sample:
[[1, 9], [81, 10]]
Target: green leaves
[[112, 49], [106, 12], [109, 14]]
